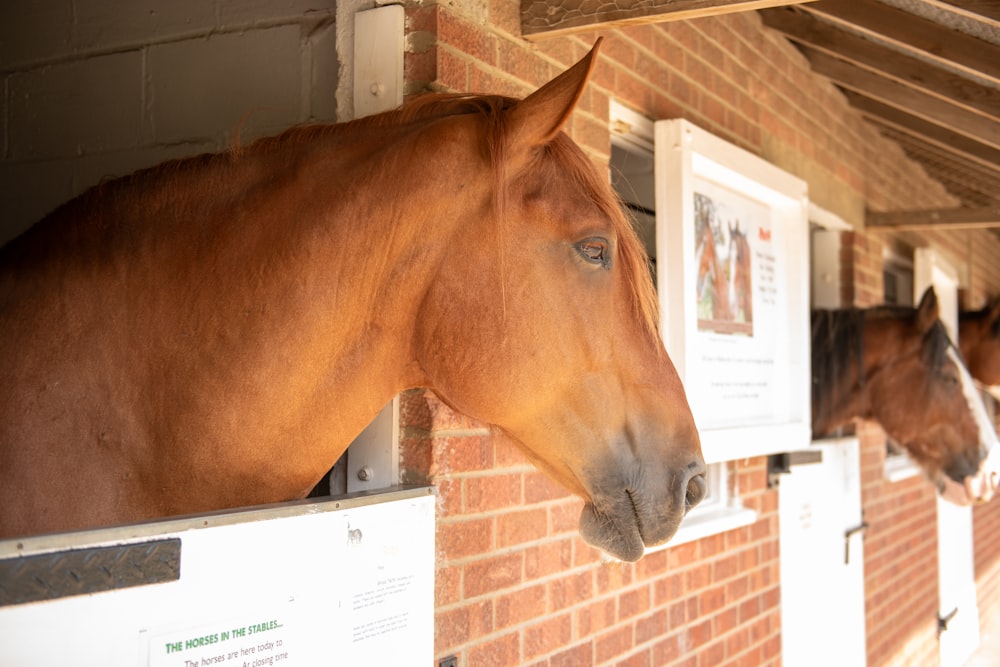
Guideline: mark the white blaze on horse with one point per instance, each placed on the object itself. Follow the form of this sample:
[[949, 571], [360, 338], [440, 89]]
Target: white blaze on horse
[[213, 332]]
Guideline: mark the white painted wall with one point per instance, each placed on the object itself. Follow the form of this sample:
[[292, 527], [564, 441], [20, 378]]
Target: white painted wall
[[98, 88]]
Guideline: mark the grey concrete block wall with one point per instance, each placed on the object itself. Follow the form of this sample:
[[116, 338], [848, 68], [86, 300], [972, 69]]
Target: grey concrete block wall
[[91, 89]]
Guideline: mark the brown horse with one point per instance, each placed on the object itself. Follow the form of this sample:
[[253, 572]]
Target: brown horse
[[898, 367], [979, 340], [213, 332]]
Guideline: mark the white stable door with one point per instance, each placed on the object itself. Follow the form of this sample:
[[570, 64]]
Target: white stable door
[[822, 560]]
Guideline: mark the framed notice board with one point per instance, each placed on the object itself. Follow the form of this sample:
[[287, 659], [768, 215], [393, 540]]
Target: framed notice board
[[733, 278]]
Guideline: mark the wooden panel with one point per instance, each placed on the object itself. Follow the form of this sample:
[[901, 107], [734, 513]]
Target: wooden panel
[[549, 18]]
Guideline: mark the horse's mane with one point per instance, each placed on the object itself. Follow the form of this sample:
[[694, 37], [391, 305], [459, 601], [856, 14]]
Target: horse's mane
[[633, 260], [838, 344], [982, 314]]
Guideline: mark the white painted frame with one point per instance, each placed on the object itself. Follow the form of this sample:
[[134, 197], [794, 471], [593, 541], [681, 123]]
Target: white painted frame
[[688, 157]]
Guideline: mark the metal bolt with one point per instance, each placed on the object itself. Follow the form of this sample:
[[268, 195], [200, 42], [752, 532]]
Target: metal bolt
[[366, 474]]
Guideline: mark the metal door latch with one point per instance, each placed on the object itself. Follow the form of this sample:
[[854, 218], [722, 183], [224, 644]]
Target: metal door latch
[[944, 621], [847, 539]]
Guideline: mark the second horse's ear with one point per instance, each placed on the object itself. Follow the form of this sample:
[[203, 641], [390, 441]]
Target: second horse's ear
[[538, 118], [928, 311]]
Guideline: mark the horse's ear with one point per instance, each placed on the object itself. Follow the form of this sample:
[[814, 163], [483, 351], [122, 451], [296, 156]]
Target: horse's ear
[[928, 311], [538, 118]]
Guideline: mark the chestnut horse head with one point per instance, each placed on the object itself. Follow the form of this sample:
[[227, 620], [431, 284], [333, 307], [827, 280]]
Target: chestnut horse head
[[213, 332], [897, 366]]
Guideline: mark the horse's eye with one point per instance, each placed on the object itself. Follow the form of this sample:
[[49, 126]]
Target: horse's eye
[[950, 380], [594, 250]]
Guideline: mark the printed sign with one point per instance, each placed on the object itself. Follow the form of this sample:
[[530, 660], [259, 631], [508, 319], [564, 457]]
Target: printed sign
[[736, 373], [345, 581]]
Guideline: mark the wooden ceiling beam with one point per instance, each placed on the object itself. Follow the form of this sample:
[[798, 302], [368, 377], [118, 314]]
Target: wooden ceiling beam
[[900, 96], [805, 28], [962, 147], [551, 18], [909, 31], [942, 218]]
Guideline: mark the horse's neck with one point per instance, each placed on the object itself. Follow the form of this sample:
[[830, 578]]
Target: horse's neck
[[290, 282]]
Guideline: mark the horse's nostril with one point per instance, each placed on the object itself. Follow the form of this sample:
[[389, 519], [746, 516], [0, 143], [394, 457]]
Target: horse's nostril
[[696, 491]]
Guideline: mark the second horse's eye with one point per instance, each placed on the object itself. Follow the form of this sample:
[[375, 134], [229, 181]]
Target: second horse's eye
[[594, 250]]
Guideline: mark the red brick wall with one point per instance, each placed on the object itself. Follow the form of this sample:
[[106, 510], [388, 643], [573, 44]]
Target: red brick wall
[[986, 535], [515, 584]]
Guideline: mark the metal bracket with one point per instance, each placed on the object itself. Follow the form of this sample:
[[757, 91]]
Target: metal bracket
[[373, 457], [60, 574], [378, 59]]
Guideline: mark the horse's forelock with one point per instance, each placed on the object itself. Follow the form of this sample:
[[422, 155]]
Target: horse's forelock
[[632, 256], [936, 344]]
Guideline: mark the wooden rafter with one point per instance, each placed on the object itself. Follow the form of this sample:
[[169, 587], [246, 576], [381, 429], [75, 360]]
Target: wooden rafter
[[550, 18], [806, 29], [901, 96], [949, 218], [940, 136], [924, 75], [978, 8], [909, 31]]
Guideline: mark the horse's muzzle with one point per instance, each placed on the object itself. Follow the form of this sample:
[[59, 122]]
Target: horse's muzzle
[[623, 524], [974, 489], [697, 489]]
